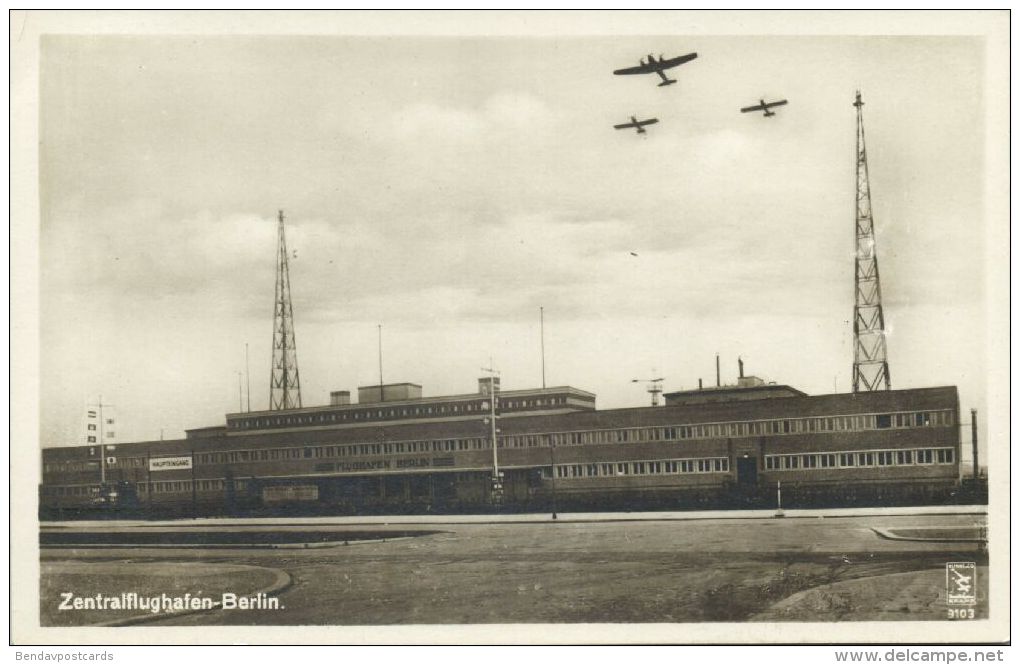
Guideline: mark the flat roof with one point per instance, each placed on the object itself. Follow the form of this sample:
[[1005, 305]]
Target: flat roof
[[735, 389], [417, 401]]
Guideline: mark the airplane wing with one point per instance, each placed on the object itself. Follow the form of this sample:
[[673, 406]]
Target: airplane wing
[[756, 107], [626, 125], [771, 104], [657, 66], [642, 123], [641, 69], [673, 62]]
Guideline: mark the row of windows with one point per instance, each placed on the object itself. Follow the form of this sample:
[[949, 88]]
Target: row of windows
[[861, 458], [70, 467], [176, 486], [657, 467], [389, 413], [77, 466], [351, 450], [159, 487], [854, 423], [73, 490]]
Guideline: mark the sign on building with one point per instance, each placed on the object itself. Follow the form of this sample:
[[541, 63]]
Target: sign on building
[[170, 463], [289, 493]]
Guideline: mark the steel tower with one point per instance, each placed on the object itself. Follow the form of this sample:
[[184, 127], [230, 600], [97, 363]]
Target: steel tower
[[871, 368], [285, 384]]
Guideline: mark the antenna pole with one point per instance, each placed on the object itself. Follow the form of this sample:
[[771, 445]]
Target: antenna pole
[[382, 398], [240, 394], [285, 382], [541, 323], [871, 366], [247, 374]]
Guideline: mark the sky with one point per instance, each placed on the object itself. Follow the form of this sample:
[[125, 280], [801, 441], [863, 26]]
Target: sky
[[448, 187]]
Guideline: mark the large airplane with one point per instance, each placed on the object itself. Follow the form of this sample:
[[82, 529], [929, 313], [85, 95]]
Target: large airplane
[[658, 66], [762, 106], [639, 125]]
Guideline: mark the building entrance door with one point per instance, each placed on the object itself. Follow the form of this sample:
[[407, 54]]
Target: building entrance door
[[747, 471]]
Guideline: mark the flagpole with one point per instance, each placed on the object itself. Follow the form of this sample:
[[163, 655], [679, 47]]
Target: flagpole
[[102, 445]]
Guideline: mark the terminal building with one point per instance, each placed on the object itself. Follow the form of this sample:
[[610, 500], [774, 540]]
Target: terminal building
[[395, 450]]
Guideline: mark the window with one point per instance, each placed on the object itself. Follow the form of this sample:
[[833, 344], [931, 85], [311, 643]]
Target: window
[[883, 421], [924, 457], [91, 427], [944, 455]]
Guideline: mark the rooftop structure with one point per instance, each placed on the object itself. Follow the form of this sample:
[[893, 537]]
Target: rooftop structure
[[747, 388], [404, 403]]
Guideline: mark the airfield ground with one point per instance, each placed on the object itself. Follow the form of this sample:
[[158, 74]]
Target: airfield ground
[[578, 569]]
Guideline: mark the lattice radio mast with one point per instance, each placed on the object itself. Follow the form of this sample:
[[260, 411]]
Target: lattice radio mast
[[285, 384], [871, 367]]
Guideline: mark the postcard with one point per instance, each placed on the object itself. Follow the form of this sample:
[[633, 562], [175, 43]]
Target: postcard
[[516, 327]]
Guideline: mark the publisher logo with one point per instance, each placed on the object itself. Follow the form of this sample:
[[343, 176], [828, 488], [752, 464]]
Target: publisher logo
[[961, 583]]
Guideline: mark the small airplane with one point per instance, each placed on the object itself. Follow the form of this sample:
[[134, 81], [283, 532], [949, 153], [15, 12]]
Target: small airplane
[[658, 66], [639, 125], [762, 106]]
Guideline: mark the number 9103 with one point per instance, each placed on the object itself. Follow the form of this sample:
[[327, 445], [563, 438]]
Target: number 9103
[[961, 612]]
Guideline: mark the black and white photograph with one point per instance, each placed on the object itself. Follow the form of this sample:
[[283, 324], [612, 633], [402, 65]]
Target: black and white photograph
[[596, 327]]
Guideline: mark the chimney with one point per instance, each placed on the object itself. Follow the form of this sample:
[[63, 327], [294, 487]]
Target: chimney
[[717, 380], [740, 363], [974, 445], [699, 384]]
